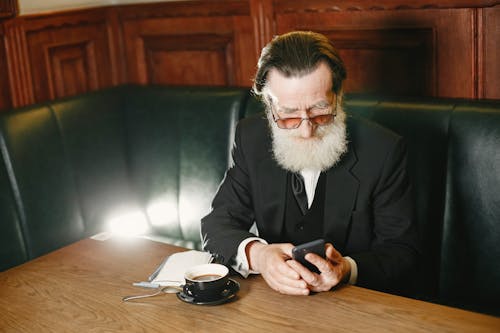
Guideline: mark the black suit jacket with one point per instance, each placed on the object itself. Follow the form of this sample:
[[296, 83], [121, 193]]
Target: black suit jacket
[[368, 208]]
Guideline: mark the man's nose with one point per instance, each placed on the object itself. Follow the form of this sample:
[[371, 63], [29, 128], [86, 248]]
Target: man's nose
[[306, 129]]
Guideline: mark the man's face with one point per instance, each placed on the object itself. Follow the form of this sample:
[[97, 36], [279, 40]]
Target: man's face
[[309, 146], [302, 97]]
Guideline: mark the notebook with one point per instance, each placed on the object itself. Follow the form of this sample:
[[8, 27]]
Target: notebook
[[171, 270]]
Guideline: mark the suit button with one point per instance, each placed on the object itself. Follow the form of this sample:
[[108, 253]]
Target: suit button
[[300, 227]]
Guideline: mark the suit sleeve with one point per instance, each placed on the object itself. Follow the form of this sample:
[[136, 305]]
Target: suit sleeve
[[232, 215], [392, 258]]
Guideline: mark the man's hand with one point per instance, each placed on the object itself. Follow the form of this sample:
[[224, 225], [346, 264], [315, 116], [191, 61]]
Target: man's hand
[[333, 270], [271, 262]]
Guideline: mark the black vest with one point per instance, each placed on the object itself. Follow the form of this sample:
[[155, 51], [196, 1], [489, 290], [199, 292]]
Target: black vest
[[298, 228]]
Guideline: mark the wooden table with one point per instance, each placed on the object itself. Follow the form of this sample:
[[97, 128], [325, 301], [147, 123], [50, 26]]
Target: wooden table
[[79, 289]]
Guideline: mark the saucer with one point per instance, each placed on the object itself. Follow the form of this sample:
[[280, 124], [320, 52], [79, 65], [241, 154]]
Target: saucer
[[228, 294]]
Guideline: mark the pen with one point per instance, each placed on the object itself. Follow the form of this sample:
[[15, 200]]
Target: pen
[[157, 270], [145, 284]]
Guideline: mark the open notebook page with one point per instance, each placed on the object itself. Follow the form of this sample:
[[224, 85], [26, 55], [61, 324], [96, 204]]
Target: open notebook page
[[172, 272]]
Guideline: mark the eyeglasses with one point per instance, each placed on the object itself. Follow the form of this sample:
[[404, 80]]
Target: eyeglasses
[[294, 122]]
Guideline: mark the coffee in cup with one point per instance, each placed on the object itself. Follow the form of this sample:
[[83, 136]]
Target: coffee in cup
[[206, 282], [206, 277]]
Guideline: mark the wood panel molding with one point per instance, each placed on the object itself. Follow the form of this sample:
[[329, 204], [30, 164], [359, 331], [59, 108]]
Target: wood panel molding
[[445, 48], [394, 61], [263, 22], [452, 62], [208, 49], [116, 47], [66, 19], [319, 6], [5, 99], [211, 59], [176, 9], [18, 65], [71, 68], [8, 8], [72, 53], [488, 49]]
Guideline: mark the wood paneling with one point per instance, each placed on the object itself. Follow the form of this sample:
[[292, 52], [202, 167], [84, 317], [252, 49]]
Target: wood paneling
[[417, 49], [376, 5], [71, 68], [189, 59], [70, 54], [489, 47], [263, 21], [443, 48], [8, 8], [18, 66], [5, 101], [215, 47], [393, 61]]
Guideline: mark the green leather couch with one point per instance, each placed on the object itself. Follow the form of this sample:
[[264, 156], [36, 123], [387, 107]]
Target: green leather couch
[[69, 167]]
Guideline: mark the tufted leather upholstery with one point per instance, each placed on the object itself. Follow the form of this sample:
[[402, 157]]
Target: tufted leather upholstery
[[179, 145], [470, 269], [69, 167], [424, 125], [77, 163], [12, 248], [41, 180]]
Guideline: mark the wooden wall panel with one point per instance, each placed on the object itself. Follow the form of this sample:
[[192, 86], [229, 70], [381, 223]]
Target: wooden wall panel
[[210, 58], [403, 52], [70, 54], [216, 47], [71, 68], [394, 61], [8, 8], [18, 67], [489, 48], [5, 100], [443, 48]]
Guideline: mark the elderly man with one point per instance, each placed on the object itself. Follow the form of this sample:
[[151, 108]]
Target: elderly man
[[307, 172]]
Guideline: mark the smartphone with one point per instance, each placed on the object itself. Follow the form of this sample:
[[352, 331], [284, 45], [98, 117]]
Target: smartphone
[[300, 251]]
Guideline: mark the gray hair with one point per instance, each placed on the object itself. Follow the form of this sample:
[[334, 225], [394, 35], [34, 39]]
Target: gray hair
[[296, 54]]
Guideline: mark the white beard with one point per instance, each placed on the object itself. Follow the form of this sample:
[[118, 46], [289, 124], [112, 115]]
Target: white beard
[[320, 152]]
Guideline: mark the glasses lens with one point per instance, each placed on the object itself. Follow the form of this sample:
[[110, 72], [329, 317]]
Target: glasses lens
[[289, 123], [322, 119]]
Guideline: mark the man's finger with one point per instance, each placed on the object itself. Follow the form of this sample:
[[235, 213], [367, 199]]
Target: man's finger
[[319, 262]]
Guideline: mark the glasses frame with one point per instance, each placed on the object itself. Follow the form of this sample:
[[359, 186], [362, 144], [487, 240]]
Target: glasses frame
[[276, 117]]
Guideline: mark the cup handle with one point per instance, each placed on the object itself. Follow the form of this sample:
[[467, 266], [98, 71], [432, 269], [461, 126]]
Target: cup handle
[[187, 290]]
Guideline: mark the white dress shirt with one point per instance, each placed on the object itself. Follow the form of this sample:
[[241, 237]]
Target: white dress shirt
[[241, 261]]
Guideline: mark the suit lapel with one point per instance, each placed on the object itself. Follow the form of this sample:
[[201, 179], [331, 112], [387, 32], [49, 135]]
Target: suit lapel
[[340, 199]]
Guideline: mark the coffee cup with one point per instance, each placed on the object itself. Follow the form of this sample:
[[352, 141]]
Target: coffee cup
[[206, 282]]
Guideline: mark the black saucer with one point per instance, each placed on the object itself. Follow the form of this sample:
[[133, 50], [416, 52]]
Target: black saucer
[[228, 294]]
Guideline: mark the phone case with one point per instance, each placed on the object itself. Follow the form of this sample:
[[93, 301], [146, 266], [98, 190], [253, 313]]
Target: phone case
[[300, 251]]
